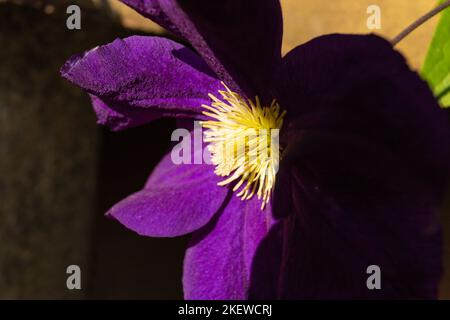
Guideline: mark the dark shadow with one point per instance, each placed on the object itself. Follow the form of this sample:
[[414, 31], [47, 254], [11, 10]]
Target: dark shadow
[[61, 172], [126, 265]]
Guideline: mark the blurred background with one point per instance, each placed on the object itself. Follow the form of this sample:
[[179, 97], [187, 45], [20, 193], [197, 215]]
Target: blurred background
[[60, 172]]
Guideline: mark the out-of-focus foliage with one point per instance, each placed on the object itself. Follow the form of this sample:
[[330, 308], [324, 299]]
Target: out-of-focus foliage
[[436, 69]]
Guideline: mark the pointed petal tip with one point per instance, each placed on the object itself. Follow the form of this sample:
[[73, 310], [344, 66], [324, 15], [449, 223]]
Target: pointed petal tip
[[177, 200]]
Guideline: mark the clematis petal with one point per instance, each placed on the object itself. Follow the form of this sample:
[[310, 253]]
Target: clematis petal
[[138, 79], [361, 86], [177, 200], [362, 176], [219, 258], [344, 214], [242, 44]]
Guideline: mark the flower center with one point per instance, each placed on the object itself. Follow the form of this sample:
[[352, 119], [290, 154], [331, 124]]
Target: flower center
[[243, 142]]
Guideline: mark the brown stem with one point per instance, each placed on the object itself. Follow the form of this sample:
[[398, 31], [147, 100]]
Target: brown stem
[[419, 22]]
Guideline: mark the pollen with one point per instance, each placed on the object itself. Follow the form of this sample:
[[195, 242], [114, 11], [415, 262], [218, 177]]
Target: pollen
[[243, 142]]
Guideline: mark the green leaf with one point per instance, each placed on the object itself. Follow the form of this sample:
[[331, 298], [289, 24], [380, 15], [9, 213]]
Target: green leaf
[[436, 69]]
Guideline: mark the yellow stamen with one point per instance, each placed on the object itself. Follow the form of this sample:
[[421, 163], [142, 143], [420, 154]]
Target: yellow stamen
[[243, 142]]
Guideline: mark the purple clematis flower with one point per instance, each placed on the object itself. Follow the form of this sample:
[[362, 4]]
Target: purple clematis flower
[[365, 153]]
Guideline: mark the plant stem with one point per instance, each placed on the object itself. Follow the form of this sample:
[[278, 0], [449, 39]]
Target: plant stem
[[419, 22]]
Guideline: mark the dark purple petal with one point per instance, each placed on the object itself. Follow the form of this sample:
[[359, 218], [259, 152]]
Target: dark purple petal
[[360, 86], [219, 258], [345, 213], [363, 173], [177, 200], [138, 79], [240, 40]]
